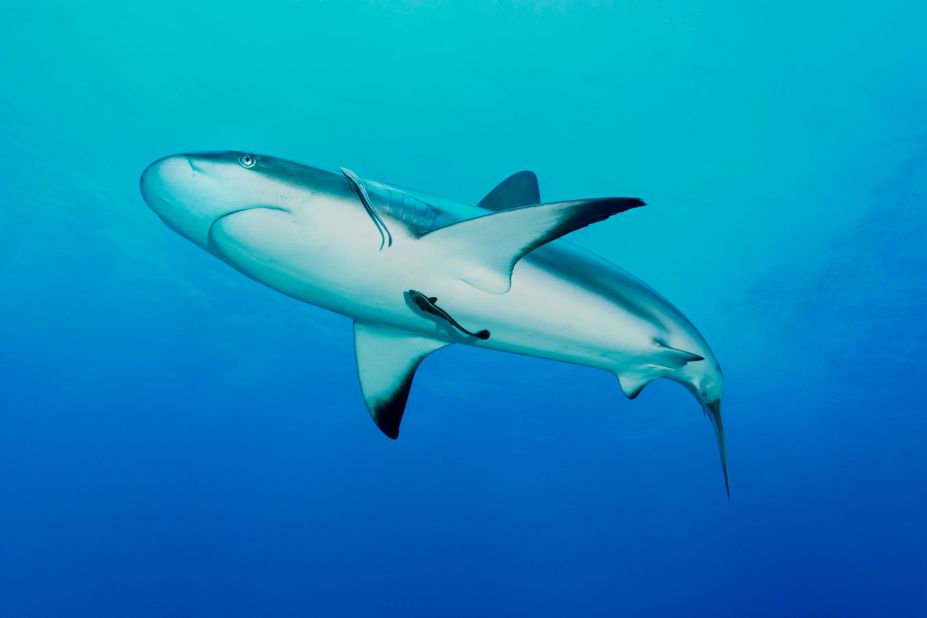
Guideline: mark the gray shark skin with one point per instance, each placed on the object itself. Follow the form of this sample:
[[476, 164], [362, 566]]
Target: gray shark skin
[[384, 256]]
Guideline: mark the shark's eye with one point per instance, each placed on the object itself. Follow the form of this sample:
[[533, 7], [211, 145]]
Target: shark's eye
[[246, 160]]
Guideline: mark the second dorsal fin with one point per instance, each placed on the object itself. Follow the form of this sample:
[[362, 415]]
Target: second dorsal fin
[[519, 189]]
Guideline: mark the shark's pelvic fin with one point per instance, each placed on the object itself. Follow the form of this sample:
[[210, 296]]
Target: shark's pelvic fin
[[386, 362], [483, 251], [519, 189], [386, 238]]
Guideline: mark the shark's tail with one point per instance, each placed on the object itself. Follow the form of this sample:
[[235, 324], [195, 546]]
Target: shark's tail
[[713, 412], [668, 364]]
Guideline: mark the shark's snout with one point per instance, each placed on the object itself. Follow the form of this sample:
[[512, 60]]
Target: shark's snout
[[182, 192], [163, 185], [166, 176]]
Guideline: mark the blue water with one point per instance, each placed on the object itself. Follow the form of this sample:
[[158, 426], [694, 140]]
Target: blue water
[[176, 440]]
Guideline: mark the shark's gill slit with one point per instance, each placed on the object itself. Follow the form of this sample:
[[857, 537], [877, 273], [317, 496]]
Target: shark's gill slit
[[212, 226], [386, 238]]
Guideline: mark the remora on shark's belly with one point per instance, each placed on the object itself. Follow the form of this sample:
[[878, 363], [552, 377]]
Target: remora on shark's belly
[[417, 272]]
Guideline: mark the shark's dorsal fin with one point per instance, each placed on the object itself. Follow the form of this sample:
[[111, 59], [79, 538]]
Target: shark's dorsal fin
[[519, 189], [386, 362], [483, 251]]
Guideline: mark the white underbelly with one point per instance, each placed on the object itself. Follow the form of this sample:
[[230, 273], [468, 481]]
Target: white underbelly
[[543, 314]]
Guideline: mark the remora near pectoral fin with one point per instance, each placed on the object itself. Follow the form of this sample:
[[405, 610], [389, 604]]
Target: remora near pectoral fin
[[386, 362], [519, 189], [483, 251]]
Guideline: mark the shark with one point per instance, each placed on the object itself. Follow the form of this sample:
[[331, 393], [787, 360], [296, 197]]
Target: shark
[[417, 272]]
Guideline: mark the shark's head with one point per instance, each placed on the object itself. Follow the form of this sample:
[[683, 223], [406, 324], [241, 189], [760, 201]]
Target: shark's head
[[191, 192]]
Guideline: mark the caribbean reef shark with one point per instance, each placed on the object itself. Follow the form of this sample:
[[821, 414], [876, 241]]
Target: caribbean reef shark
[[417, 273]]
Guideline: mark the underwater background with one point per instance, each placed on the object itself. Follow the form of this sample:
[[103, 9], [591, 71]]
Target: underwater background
[[177, 440]]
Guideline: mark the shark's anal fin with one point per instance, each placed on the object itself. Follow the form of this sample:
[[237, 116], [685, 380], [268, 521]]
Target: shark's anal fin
[[663, 361], [386, 362], [483, 251], [633, 383], [386, 238], [519, 189], [428, 304]]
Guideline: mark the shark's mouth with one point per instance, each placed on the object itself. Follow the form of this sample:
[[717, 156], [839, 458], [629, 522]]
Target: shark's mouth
[[211, 236], [220, 218]]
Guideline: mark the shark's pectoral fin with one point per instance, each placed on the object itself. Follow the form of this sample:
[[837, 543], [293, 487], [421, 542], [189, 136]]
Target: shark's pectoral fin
[[386, 362], [519, 189], [483, 251]]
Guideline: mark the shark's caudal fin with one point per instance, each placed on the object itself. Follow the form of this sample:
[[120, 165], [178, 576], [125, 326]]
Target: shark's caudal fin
[[519, 189], [664, 362], [633, 383], [483, 251], [713, 412], [386, 362]]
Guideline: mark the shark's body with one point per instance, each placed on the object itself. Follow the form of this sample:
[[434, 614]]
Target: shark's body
[[417, 273]]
